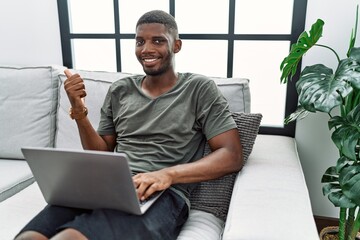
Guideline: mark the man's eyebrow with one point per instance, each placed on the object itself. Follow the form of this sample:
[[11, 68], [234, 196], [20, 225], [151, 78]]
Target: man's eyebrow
[[162, 38]]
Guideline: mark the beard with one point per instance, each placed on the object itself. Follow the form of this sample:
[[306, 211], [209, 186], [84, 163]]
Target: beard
[[157, 71]]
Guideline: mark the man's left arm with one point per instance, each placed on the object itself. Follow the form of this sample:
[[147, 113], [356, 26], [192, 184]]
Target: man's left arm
[[226, 158]]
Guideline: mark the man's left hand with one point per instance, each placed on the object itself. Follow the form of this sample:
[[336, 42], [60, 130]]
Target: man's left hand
[[148, 183]]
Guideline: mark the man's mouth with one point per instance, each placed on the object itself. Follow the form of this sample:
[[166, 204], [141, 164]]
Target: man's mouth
[[148, 62]]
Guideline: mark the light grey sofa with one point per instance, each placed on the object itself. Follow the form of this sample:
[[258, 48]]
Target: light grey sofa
[[269, 199]]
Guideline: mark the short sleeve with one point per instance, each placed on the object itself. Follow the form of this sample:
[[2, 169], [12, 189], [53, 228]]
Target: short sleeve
[[213, 111], [106, 124]]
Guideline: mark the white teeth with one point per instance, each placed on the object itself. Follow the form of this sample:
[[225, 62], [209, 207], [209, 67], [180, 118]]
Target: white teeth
[[150, 60]]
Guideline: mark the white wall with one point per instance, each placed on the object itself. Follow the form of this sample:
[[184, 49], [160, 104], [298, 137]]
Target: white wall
[[317, 152], [29, 33], [30, 36]]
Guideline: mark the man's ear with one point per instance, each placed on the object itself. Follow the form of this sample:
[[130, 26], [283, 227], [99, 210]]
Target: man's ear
[[177, 45]]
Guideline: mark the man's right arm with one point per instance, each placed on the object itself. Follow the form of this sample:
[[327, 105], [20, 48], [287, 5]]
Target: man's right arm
[[90, 139]]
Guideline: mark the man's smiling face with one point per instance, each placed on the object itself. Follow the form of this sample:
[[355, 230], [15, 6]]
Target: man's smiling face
[[155, 48]]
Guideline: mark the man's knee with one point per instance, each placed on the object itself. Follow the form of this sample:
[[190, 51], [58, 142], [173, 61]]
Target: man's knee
[[69, 233], [31, 235]]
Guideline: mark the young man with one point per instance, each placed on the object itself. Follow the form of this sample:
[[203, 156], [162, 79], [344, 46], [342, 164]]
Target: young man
[[161, 121]]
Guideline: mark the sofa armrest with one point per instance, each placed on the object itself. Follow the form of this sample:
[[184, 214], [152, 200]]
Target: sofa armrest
[[270, 197]]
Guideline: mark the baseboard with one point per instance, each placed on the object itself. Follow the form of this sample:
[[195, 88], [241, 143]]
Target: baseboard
[[322, 222]]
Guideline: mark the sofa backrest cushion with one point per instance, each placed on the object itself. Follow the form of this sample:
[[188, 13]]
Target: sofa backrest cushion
[[28, 105], [97, 84], [214, 196], [237, 93], [235, 90]]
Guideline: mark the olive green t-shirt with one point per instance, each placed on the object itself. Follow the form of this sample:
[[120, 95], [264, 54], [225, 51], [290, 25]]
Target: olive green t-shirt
[[167, 130]]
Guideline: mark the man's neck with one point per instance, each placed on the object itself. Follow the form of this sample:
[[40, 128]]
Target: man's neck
[[155, 86]]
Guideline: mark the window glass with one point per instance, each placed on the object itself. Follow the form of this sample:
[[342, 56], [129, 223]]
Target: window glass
[[94, 54], [129, 62], [207, 57], [131, 10], [91, 16], [202, 16], [259, 61], [263, 16]]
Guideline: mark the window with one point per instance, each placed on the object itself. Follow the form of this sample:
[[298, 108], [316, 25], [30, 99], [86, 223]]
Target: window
[[223, 38]]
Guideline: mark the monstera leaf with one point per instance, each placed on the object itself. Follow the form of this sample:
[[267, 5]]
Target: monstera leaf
[[349, 180], [333, 189], [321, 90], [351, 72], [299, 114], [347, 132], [342, 163], [304, 43]]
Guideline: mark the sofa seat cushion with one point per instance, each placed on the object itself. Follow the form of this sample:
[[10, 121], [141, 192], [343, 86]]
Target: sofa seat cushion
[[271, 188], [15, 175], [28, 97], [201, 226], [19, 209]]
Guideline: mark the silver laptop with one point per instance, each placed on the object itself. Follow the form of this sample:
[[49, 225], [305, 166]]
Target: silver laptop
[[85, 179]]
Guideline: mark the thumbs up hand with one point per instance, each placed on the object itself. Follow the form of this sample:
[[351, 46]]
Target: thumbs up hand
[[75, 89]]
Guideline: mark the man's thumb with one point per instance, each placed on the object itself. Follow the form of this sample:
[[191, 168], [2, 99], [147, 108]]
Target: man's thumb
[[67, 73]]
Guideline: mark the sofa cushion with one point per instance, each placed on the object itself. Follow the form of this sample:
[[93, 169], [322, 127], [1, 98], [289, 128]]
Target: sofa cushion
[[236, 91], [97, 84], [214, 196], [270, 195], [15, 175], [201, 226], [28, 97], [19, 209]]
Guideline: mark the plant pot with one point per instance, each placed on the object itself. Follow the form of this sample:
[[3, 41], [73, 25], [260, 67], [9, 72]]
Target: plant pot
[[331, 233]]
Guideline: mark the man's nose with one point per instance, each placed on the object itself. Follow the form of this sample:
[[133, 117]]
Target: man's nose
[[147, 47]]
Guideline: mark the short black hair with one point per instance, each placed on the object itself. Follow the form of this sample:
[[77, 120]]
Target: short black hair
[[159, 16]]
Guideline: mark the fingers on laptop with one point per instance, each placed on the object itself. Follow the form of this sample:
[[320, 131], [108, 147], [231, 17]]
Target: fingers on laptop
[[147, 184]]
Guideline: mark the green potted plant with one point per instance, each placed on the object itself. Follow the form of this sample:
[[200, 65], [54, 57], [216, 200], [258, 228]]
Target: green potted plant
[[336, 93]]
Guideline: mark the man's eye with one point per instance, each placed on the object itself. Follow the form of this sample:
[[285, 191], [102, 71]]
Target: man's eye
[[139, 42], [158, 41]]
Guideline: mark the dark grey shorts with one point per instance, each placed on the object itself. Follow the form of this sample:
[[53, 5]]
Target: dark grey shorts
[[162, 221]]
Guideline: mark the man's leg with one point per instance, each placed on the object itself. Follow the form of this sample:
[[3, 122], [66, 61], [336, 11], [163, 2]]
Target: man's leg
[[162, 221], [69, 233], [31, 235], [65, 234], [46, 223]]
